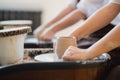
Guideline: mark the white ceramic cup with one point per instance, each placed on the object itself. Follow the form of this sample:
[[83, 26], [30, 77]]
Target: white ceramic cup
[[12, 45], [62, 43]]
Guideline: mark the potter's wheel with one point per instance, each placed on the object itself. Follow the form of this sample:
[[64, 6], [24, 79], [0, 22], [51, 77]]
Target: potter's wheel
[[51, 57], [48, 57]]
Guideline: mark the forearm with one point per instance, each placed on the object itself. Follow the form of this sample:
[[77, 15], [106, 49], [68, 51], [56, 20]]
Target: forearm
[[98, 20], [59, 16], [106, 44], [68, 20]]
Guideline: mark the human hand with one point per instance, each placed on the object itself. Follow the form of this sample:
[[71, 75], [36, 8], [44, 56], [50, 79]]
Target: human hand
[[74, 53], [47, 35], [37, 32]]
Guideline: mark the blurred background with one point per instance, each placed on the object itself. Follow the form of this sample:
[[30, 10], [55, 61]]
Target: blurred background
[[40, 11]]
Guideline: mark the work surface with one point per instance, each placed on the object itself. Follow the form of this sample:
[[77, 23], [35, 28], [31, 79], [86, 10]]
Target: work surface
[[30, 63], [31, 69]]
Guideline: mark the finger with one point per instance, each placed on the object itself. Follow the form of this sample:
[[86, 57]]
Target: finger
[[40, 38], [67, 55], [68, 58], [47, 38]]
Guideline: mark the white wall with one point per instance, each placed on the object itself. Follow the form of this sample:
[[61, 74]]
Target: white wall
[[49, 7]]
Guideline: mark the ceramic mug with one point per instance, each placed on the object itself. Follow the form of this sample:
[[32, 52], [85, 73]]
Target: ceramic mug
[[62, 43], [12, 45]]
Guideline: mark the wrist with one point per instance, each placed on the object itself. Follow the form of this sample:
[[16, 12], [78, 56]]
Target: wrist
[[87, 54], [93, 52]]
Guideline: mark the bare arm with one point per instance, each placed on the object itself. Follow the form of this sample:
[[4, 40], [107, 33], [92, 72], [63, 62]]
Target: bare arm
[[97, 20], [59, 16], [107, 43], [68, 20]]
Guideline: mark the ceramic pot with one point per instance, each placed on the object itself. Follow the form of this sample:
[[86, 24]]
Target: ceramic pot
[[62, 43], [12, 45], [15, 23]]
